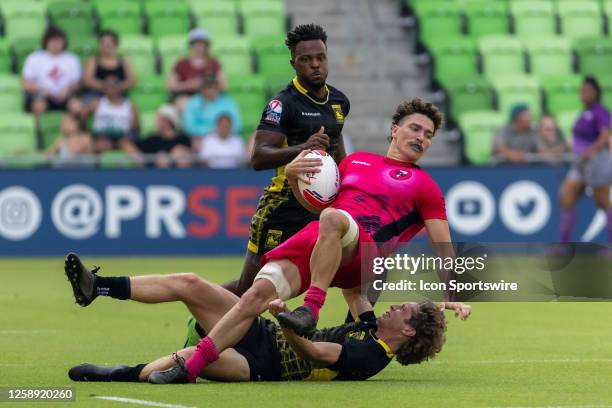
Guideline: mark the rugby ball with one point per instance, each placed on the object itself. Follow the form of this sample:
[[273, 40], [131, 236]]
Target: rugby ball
[[323, 187]]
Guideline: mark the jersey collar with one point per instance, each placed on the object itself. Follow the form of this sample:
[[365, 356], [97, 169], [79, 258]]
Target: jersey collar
[[305, 92], [394, 162], [386, 347]]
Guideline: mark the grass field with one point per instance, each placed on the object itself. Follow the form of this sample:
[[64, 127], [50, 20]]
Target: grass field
[[506, 355]]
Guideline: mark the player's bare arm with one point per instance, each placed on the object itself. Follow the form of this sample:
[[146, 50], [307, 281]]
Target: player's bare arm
[[269, 152]]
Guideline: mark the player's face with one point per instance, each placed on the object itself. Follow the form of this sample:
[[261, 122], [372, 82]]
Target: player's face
[[413, 136], [398, 316], [310, 63]]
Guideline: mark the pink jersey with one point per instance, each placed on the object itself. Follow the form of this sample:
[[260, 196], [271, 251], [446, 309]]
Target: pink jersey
[[388, 198]]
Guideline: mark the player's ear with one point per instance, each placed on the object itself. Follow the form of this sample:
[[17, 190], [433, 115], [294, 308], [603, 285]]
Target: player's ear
[[408, 331]]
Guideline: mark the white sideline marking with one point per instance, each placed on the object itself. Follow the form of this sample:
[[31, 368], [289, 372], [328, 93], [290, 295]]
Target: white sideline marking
[[142, 402], [565, 360]]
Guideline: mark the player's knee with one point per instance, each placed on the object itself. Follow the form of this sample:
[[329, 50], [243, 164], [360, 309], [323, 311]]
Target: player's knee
[[255, 300], [332, 221], [188, 285]]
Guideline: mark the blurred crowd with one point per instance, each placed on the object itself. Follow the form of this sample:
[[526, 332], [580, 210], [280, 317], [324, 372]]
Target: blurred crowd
[[198, 126]]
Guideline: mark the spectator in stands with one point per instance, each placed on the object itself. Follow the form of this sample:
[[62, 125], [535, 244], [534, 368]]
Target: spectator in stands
[[168, 144], [222, 149], [51, 76], [593, 165], [115, 122], [202, 110], [73, 142], [516, 139], [107, 63], [551, 144], [186, 77]]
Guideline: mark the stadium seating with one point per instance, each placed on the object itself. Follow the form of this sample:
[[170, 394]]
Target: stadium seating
[[23, 18], [167, 17], [580, 18], [5, 57], [74, 17], [594, 55], [84, 46], [263, 18], [116, 159], [501, 55], [606, 85], [549, 56], [478, 130], [453, 58], [171, 49], [147, 123], [437, 20], [469, 94], [49, 127], [120, 16], [485, 17], [234, 53], [561, 93], [23, 47], [273, 62], [249, 93], [149, 93], [515, 89], [140, 51], [533, 18], [566, 121], [18, 135], [11, 96], [217, 17]]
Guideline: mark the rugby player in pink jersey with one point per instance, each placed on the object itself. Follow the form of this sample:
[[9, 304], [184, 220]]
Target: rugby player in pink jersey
[[381, 199]]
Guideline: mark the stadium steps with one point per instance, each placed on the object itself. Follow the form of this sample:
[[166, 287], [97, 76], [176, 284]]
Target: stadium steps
[[371, 60]]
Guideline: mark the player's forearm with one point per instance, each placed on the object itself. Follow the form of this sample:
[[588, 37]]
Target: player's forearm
[[268, 157], [304, 347]]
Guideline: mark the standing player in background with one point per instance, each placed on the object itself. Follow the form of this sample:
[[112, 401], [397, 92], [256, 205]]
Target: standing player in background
[[593, 166], [306, 114]]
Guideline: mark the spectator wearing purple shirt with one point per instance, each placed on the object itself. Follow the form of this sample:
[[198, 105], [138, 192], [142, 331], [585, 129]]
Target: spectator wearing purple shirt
[[593, 165]]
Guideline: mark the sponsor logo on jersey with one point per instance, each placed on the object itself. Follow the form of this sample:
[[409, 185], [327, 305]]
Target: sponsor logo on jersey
[[399, 174], [361, 162], [273, 238], [274, 111], [311, 114], [338, 111]]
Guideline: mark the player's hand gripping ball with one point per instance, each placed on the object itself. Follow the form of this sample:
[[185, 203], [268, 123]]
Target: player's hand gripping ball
[[322, 188]]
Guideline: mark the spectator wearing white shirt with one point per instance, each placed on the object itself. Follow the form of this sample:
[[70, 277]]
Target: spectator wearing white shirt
[[51, 76], [222, 149]]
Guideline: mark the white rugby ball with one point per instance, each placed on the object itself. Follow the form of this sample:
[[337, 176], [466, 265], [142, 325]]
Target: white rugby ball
[[323, 187]]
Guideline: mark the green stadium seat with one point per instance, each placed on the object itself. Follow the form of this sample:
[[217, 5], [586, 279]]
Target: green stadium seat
[[234, 53], [562, 93], [594, 55], [23, 19], [139, 50], [149, 93], [273, 62], [566, 121], [11, 95], [262, 18], [18, 134], [49, 126], [607, 10], [580, 18], [6, 61], [219, 18], [606, 86], [74, 17], [501, 55], [478, 130], [549, 56], [120, 16], [517, 89], [469, 94], [23, 47], [116, 159], [485, 17], [84, 46], [249, 92], [533, 18], [437, 19], [171, 49], [167, 17], [147, 123], [453, 58]]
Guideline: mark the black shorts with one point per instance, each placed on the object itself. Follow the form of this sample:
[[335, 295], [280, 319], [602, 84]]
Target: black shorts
[[278, 218], [52, 104], [259, 347]]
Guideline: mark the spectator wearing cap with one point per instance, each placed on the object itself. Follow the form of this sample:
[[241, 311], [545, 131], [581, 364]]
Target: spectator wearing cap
[[186, 77], [202, 110], [168, 144], [222, 149], [516, 139]]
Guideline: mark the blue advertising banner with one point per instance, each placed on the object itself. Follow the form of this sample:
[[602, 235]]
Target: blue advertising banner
[[199, 211]]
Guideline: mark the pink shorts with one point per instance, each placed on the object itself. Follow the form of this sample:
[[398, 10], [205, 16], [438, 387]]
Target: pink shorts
[[298, 250]]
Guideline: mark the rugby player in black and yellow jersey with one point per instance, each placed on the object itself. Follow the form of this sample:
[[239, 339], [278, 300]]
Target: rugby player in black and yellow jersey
[[411, 333]]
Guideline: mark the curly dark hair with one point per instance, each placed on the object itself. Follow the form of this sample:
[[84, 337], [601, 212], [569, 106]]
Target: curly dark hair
[[430, 326], [54, 32], [418, 105], [305, 32]]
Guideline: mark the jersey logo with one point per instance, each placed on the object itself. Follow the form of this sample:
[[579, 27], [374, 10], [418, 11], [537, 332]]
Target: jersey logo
[[399, 174], [361, 162], [273, 238], [274, 111], [338, 111], [357, 335]]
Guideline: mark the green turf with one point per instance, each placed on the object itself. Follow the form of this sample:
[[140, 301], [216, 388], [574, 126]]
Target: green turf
[[507, 354]]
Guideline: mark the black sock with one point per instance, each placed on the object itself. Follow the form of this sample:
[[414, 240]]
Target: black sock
[[200, 330], [349, 318], [115, 287], [127, 374]]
